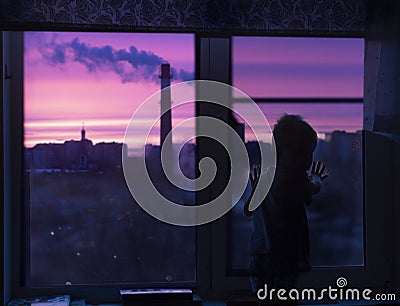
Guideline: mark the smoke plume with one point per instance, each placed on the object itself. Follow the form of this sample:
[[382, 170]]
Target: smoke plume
[[130, 65]]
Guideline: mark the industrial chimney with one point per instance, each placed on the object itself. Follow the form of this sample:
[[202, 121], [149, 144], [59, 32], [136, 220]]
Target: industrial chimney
[[166, 124]]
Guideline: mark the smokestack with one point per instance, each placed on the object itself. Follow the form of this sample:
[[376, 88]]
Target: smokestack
[[166, 124]]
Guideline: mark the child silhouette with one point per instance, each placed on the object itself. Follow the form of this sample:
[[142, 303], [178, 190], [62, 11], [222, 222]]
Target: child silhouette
[[279, 248]]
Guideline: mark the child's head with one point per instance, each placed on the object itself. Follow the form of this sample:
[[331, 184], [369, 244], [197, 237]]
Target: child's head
[[295, 142]]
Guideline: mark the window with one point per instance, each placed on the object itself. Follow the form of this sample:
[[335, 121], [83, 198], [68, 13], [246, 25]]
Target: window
[[356, 252], [215, 253], [320, 79], [80, 91]]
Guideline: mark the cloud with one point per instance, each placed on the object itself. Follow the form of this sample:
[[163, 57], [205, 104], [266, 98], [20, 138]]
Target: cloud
[[182, 75], [130, 65]]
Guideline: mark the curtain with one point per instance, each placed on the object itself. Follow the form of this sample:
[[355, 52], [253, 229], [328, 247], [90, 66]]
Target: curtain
[[281, 16]]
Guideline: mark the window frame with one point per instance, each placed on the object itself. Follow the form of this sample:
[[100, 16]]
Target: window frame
[[96, 293], [376, 273], [25, 211], [213, 279]]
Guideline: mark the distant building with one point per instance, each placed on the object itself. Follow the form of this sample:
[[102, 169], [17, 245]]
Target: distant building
[[75, 155], [341, 146]]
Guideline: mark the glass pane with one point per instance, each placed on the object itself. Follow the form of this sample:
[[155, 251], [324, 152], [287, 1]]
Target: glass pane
[[298, 67], [80, 91], [309, 68]]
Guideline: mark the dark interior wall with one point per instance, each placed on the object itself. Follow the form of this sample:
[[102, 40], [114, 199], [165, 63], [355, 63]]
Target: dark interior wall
[[5, 214], [382, 91], [1, 176], [382, 100], [396, 219], [310, 16]]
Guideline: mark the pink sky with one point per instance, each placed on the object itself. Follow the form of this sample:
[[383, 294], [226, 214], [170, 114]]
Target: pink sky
[[60, 96], [64, 86]]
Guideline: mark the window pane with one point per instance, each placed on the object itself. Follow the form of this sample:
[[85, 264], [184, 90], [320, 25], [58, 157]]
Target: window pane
[[81, 90], [309, 68], [298, 67]]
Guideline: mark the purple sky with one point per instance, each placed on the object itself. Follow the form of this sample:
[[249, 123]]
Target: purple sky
[[96, 78], [298, 67], [101, 78]]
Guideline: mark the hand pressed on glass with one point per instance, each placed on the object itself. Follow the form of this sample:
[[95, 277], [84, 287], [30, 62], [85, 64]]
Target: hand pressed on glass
[[318, 168]]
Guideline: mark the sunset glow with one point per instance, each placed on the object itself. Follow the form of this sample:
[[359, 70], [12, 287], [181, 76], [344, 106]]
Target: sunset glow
[[99, 79]]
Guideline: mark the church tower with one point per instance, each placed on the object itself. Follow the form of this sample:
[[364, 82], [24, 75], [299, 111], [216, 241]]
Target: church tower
[[83, 133]]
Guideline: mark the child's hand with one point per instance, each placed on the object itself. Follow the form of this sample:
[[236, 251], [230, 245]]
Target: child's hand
[[319, 169], [318, 173], [254, 176]]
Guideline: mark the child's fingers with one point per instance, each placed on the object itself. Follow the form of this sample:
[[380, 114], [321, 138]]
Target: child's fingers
[[324, 174], [254, 174], [322, 169], [319, 168], [251, 175], [313, 167]]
